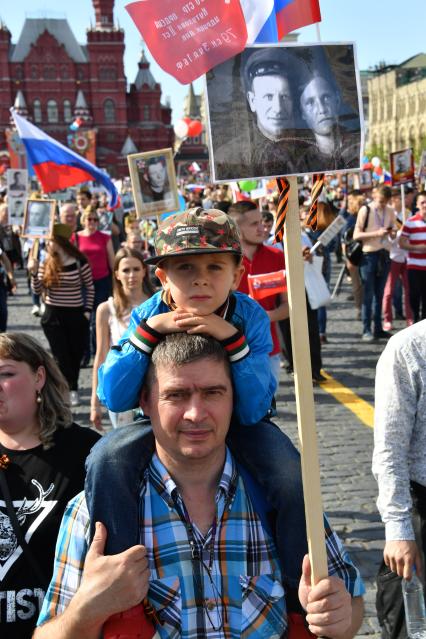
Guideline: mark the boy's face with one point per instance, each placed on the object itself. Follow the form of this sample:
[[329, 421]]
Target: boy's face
[[200, 283]]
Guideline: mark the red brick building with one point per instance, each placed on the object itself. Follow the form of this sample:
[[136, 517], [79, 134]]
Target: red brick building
[[53, 79]]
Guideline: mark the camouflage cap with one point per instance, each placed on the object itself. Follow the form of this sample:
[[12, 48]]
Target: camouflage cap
[[196, 231]]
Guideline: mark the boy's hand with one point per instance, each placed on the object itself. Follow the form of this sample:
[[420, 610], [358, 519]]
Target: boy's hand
[[165, 323], [212, 325]]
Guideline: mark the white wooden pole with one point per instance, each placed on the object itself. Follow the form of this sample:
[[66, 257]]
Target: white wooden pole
[[304, 388]]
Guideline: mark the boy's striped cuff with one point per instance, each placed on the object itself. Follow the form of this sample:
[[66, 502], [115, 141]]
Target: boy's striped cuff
[[145, 338], [236, 346]]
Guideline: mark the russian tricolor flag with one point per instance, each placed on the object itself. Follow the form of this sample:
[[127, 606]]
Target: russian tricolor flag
[[56, 166], [271, 20]]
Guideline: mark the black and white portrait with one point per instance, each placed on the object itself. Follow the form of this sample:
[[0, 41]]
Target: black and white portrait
[[39, 216], [285, 110], [366, 180], [17, 182], [153, 182], [16, 206], [402, 167]]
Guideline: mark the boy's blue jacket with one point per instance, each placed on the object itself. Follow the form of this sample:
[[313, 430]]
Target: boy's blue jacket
[[121, 376]]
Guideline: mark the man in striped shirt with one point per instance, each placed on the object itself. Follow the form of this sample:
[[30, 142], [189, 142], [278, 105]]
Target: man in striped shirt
[[413, 239], [206, 562]]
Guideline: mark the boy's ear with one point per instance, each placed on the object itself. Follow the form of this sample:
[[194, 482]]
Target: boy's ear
[[162, 276], [238, 273]]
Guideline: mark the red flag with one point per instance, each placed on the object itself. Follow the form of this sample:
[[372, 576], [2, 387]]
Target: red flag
[[296, 14], [267, 284], [189, 38]]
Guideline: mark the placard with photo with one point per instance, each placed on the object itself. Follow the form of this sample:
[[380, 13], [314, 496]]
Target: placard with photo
[[39, 218], [402, 167], [16, 208], [366, 180], [153, 182], [17, 183], [285, 110], [422, 167]]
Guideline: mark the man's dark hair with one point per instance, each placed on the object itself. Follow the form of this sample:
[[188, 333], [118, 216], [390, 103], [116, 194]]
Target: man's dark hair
[[385, 191], [178, 349], [267, 216], [355, 192], [85, 191], [239, 208], [157, 159]]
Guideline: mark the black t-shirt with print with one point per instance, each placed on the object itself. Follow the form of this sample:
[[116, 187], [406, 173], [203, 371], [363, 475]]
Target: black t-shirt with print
[[41, 482]]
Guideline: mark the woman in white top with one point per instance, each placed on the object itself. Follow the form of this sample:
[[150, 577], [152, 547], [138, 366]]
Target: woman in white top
[[131, 287]]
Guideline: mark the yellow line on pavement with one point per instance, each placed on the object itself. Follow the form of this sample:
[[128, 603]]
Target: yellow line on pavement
[[362, 409]]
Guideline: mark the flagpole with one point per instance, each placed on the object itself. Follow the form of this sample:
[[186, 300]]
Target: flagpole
[[304, 388]]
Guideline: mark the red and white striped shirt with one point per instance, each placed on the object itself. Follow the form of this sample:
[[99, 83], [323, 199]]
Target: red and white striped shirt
[[415, 230], [69, 291]]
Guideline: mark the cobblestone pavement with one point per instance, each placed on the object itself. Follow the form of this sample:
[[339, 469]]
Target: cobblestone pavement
[[348, 489]]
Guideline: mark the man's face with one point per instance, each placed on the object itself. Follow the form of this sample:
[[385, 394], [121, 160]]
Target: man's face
[[190, 408], [319, 105], [38, 214], [270, 98], [267, 227], [157, 176], [421, 205], [68, 216], [82, 201], [251, 227], [380, 200]]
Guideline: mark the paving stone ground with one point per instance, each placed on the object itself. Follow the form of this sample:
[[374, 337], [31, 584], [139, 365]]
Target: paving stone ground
[[345, 444]]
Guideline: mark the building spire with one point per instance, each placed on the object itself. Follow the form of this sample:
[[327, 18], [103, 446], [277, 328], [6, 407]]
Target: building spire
[[104, 14]]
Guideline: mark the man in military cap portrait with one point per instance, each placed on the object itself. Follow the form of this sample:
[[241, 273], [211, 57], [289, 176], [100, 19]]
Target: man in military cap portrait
[[268, 148], [280, 110]]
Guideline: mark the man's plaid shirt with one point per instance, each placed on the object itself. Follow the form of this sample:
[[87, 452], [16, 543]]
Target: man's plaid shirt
[[247, 598]]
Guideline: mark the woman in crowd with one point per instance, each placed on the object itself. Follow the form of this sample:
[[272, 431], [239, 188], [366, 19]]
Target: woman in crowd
[[42, 455], [131, 287], [356, 199], [98, 249], [65, 280]]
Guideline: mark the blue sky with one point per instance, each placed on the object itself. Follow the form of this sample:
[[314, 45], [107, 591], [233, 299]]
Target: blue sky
[[388, 30]]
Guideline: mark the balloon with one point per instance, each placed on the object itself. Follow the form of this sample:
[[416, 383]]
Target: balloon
[[247, 185], [187, 121], [194, 128], [375, 161], [181, 128], [378, 170]]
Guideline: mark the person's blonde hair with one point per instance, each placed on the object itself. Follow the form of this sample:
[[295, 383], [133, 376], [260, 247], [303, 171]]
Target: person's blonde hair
[[89, 210], [53, 410]]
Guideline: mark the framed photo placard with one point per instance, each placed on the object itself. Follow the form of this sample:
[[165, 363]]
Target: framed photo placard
[[39, 218], [153, 182]]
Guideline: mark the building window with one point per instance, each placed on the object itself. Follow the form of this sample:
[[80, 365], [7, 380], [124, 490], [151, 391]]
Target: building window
[[80, 74], [19, 73], [34, 72], [52, 111], [110, 137], [65, 73], [37, 111], [146, 112], [107, 74], [49, 73], [67, 111], [109, 111]]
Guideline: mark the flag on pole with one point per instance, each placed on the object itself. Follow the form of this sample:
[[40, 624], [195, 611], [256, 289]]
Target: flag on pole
[[271, 20], [56, 166]]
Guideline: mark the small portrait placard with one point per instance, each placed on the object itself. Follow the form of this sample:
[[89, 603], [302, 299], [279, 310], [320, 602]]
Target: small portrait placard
[[153, 182], [402, 167], [17, 183], [39, 218]]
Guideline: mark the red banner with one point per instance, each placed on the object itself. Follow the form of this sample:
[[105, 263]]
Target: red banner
[[267, 284], [187, 38]]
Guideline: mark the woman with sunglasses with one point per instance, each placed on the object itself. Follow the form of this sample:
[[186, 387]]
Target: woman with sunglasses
[[98, 249], [65, 281]]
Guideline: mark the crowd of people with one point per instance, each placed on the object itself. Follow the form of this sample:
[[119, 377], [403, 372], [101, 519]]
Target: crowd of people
[[187, 364]]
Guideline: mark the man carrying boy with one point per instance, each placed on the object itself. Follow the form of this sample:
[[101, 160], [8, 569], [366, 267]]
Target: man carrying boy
[[203, 557]]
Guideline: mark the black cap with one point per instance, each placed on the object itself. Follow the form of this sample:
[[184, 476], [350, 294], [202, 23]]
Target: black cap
[[270, 61]]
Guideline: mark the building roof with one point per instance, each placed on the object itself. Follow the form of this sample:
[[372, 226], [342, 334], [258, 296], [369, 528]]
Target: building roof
[[57, 27], [129, 146], [415, 61], [144, 75]]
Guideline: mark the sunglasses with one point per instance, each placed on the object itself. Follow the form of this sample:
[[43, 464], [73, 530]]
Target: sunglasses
[[92, 219]]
